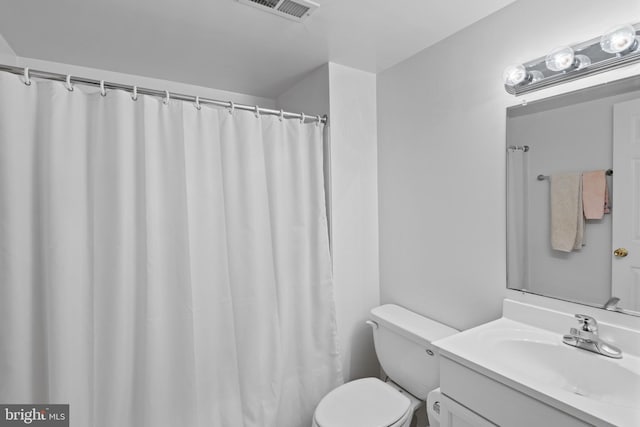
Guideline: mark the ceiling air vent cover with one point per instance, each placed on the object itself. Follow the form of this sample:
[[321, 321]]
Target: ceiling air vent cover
[[297, 10]]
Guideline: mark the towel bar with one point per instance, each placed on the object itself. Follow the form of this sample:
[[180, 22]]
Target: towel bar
[[541, 177]]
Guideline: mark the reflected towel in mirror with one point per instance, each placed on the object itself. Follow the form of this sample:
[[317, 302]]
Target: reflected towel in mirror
[[567, 219], [595, 194]]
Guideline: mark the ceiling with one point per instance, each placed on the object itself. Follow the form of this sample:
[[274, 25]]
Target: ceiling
[[227, 45]]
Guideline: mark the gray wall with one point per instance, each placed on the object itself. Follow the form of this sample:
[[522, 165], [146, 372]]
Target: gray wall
[[441, 158], [7, 55]]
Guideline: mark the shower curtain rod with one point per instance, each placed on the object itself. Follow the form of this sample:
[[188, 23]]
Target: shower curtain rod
[[28, 73]]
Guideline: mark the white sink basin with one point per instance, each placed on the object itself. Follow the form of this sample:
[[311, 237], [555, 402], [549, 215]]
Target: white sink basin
[[574, 370], [536, 362]]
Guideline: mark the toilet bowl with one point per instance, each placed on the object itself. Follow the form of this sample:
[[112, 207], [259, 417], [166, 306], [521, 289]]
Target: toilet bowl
[[403, 345], [368, 402]]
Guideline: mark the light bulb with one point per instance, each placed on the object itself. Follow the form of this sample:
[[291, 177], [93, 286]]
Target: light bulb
[[560, 59], [621, 39], [513, 75]]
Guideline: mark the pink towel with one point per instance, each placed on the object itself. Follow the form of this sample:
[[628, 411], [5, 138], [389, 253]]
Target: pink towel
[[595, 194]]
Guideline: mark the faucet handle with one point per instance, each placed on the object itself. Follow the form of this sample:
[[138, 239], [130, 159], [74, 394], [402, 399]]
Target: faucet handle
[[589, 324], [611, 304], [581, 335]]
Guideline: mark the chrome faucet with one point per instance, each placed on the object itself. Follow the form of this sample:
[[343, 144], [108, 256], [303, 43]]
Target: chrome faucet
[[587, 338]]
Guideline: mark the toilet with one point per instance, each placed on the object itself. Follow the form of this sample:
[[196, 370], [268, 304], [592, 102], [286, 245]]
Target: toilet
[[402, 341]]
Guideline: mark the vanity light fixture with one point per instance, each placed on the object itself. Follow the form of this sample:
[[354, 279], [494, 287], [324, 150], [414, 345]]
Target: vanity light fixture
[[618, 47]]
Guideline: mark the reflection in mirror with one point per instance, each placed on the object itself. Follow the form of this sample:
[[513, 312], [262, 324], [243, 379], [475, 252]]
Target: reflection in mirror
[[569, 155]]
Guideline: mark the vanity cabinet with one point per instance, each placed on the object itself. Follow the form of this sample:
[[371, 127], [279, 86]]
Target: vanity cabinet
[[471, 398], [452, 414]]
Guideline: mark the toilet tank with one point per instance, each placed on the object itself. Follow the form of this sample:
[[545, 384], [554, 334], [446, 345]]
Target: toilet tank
[[403, 340]]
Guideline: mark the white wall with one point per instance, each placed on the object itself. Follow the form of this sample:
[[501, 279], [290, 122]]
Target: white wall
[[441, 132], [354, 213], [349, 97], [7, 55]]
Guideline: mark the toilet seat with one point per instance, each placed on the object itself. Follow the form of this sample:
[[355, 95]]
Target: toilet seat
[[368, 402]]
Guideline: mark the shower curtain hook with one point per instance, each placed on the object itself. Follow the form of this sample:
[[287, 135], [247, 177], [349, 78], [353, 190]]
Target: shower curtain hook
[[318, 120], [167, 97], [302, 118], [27, 77], [257, 112], [281, 114], [103, 91], [232, 107], [68, 83], [134, 95], [198, 106]]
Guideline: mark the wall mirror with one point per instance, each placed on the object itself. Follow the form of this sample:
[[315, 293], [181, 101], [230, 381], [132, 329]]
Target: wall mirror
[[558, 139]]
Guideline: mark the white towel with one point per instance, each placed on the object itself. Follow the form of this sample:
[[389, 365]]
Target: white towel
[[567, 217]]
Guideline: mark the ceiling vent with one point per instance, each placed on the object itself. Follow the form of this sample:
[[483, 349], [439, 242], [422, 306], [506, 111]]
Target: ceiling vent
[[296, 10]]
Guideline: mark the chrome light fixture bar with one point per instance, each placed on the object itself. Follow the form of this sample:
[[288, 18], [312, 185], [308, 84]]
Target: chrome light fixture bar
[[617, 48]]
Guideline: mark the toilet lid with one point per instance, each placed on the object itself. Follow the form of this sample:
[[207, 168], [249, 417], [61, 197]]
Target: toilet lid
[[368, 402]]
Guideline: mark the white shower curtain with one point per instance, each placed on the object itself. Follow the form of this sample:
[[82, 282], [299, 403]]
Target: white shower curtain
[[161, 266]]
